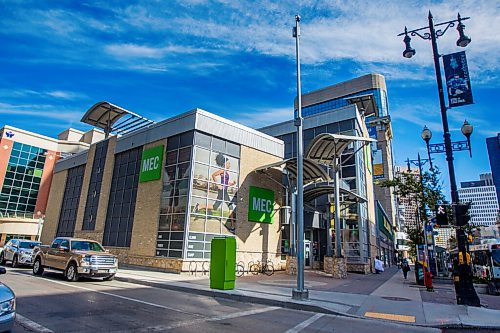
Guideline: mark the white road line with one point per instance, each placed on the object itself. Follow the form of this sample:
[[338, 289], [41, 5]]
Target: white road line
[[124, 297], [31, 325], [305, 323], [161, 328]]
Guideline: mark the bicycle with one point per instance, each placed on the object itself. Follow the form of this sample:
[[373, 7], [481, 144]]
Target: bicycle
[[267, 268], [240, 269]]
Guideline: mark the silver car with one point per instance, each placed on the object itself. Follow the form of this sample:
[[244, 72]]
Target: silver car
[[7, 306], [18, 251]]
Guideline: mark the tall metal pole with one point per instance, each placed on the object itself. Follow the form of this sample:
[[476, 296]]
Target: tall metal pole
[[423, 219], [466, 293], [338, 238], [300, 293]]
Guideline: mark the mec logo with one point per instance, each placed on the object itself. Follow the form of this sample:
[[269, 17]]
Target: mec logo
[[151, 164]]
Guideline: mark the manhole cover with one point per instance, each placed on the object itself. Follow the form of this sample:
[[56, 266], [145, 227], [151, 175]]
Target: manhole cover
[[399, 299]]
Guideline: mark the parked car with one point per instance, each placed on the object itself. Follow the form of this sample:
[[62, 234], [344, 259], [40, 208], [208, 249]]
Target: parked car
[[75, 257], [18, 251], [7, 306]]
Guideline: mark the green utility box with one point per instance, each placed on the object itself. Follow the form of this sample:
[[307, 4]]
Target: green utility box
[[223, 263]]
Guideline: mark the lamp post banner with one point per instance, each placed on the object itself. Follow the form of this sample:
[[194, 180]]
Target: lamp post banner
[[456, 72]]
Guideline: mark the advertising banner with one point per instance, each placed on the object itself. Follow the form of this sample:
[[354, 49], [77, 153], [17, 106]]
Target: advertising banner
[[456, 72], [151, 164], [260, 205]]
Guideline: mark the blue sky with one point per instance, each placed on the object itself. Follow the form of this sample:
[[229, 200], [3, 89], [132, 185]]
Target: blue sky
[[237, 59]]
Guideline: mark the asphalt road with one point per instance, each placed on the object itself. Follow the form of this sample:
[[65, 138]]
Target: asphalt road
[[51, 304]]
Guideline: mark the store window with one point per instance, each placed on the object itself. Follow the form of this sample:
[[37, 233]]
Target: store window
[[71, 198], [122, 198], [95, 186]]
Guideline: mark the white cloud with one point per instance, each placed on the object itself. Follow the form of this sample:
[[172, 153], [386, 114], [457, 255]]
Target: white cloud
[[263, 117], [40, 111]]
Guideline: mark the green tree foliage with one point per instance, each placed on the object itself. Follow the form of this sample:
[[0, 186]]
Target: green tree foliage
[[426, 193]]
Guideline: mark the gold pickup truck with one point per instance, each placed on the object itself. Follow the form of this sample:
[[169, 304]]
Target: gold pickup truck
[[76, 258]]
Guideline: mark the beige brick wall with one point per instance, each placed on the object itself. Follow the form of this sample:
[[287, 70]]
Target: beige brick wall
[[147, 211], [53, 211], [102, 209], [257, 241]]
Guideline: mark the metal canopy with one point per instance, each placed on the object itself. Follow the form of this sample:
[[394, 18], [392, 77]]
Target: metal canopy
[[112, 118], [312, 171], [365, 103], [317, 191], [326, 147]]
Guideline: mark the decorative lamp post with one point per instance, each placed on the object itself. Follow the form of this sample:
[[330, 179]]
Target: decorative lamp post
[[466, 293]]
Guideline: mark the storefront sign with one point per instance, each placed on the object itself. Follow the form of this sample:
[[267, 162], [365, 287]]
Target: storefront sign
[[457, 79], [260, 205], [151, 164]]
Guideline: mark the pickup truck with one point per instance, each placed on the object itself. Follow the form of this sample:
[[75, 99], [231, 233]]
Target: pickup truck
[[76, 258]]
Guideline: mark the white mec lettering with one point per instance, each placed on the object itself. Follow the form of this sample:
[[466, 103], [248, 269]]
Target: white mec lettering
[[151, 164], [262, 205]]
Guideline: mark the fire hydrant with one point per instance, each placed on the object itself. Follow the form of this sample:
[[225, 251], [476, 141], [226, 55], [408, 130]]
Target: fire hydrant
[[428, 281]]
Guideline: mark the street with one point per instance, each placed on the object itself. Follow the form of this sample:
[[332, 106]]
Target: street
[[50, 304]]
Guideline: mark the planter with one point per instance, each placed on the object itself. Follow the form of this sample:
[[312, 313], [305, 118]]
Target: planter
[[481, 288]]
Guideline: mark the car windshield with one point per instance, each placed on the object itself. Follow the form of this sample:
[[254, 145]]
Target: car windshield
[[495, 255], [28, 245], [86, 246]]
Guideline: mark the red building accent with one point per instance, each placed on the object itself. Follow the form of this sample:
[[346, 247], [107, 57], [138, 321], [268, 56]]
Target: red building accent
[[4, 157], [48, 171]]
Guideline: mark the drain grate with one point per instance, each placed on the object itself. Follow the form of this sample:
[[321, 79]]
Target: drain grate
[[399, 299]]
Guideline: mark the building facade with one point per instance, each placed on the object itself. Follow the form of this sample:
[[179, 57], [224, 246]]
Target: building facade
[[483, 198], [26, 165], [358, 220], [369, 94], [493, 147], [156, 197]]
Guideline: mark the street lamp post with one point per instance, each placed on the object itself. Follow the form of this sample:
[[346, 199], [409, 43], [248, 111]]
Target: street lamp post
[[467, 294], [300, 293]]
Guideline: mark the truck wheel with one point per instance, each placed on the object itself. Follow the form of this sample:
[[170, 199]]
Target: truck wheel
[[15, 262], [72, 273], [38, 267], [109, 278], [2, 259]]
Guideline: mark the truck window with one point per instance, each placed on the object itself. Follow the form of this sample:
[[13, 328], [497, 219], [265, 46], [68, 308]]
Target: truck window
[[65, 243], [55, 243]]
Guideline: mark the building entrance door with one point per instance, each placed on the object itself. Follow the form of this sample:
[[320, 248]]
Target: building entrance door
[[307, 254]]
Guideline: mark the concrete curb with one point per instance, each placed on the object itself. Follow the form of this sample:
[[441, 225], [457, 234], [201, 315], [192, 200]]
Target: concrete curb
[[294, 305]]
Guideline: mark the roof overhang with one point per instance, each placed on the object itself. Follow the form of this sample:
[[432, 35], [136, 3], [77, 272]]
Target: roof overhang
[[366, 104], [317, 191], [312, 171], [112, 118], [326, 147]]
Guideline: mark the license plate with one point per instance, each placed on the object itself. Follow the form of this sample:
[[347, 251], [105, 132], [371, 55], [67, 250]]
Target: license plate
[[112, 270]]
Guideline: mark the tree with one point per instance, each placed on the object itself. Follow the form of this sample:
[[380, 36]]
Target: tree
[[426, 191]]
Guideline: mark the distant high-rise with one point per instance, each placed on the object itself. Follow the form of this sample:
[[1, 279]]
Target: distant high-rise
[[482, 195], [493, 145]]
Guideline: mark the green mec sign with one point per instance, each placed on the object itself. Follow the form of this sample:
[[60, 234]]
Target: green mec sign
[[260, 205], [151, 164]]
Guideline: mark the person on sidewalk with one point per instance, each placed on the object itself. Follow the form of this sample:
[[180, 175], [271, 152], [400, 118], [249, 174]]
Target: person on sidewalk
[[379, 266], [406, 268]]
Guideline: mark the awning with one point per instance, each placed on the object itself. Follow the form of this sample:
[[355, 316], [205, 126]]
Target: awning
[[366, 104], [325, 147], [112, 118], [317, 191], [312, 171]]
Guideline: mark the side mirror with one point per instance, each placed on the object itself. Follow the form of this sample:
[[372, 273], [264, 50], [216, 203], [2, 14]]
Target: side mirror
[[3, 270], [63, 248], [107, 251]]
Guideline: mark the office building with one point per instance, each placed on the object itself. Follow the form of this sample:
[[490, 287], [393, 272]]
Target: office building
[[493, 146], [26, 165], [483, 198]]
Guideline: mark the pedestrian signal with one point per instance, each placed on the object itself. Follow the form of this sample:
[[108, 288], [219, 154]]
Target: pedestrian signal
[[442, 212]]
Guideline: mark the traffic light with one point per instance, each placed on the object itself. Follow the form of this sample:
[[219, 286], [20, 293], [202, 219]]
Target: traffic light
[[462, 216], [442, 214]]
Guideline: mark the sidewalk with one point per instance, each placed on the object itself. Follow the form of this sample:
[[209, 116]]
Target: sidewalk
[[383, 296]]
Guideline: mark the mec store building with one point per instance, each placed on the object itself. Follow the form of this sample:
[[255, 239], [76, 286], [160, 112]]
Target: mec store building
[[158, 195]]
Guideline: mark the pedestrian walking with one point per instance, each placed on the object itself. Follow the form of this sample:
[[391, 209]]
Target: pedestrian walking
[[406, 268], [379, 266]]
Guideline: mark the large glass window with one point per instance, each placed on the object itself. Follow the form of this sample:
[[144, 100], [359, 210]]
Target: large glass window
[[71, 198], [95, 186], [22, 179], [122, 197], [174, 196]]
